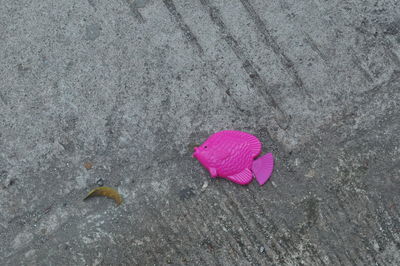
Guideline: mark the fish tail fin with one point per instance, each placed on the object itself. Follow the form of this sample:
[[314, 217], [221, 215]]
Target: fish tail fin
[[263, 167]]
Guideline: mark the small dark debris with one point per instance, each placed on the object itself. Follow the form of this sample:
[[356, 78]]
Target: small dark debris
[[88, 165], [207, 244], [139, 3], [186, 193], [68, 145], [393, 28], [93, 31], [22, 68], [70, 123], [10, 183], [3, 173], [100, 182], [47, 210]]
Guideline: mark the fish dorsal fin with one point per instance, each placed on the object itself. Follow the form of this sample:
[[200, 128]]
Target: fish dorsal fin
[[242, 178], [252, 141]]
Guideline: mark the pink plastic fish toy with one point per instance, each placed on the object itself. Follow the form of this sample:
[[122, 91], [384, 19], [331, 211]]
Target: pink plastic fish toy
[[230, 154]]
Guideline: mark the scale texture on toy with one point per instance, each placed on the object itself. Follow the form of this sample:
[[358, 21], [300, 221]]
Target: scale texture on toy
[[230, 154]]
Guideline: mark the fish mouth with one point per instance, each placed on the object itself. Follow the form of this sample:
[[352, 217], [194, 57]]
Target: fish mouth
[[194, 155]]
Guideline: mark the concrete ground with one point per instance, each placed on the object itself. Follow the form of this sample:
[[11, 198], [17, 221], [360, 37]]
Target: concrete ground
[[131, 87]]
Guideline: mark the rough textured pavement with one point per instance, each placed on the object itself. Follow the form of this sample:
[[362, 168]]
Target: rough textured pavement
[[132, 86]]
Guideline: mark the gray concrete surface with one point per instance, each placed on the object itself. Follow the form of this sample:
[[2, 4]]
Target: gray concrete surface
[[132, 86]]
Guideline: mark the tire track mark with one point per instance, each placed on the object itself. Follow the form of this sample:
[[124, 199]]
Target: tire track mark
[[193, 40], [235, 234], [92, 4], [350, 257], [339, 258], [314, 46], [189, 222], [382, 224], [161, 222], [384, 238], [121, 241], [182, 25], [273, 228], [282, 119], [343, 259], [368, 249], [388, 47], [249, 229], [385, 223], [330, 217], [395, 58], [273, 45], [199, 232], [135, 12], [284, 243], [237, 239], [364, 240], [183, 228], [359, 256], [394, 216], [152, 257], [190, 217], [357, 63], [114, 121], [3, 99], [368, 96], [223, 240], [221, 84], [297, 237]]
